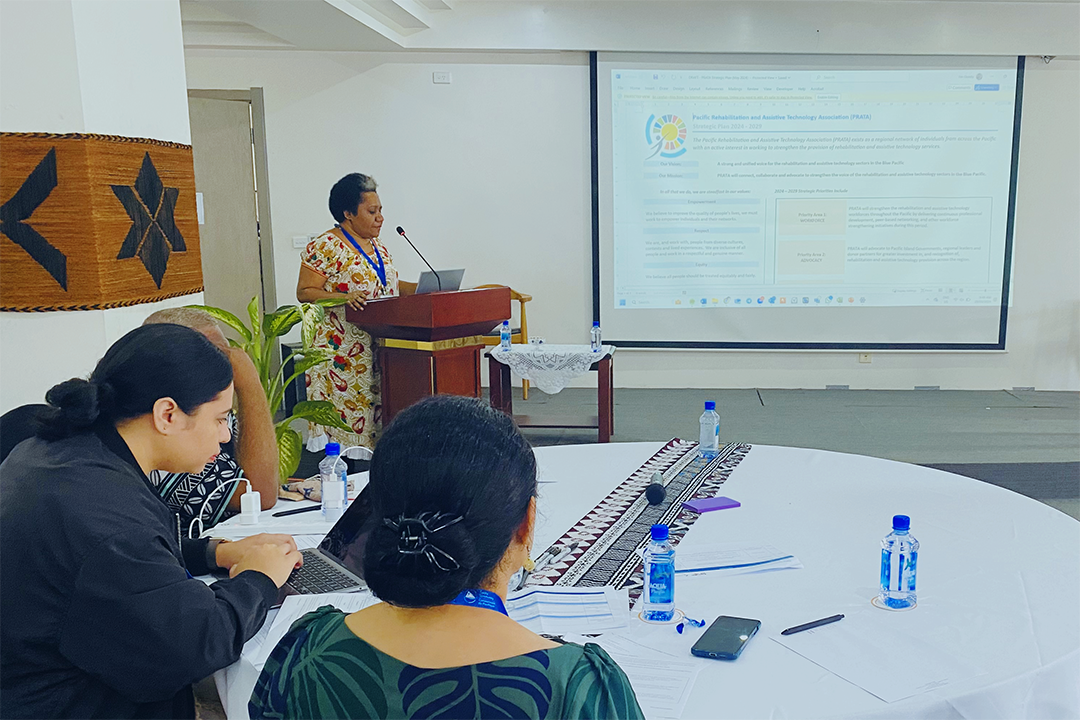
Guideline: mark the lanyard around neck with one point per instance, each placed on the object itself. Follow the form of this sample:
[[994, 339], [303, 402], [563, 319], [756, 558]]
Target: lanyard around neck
[[481, 599], [379, 269]]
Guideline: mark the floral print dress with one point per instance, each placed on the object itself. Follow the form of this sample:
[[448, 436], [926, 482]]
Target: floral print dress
[[352, 381]]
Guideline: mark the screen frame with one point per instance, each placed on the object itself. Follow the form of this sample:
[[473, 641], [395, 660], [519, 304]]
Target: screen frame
[[826, 346]]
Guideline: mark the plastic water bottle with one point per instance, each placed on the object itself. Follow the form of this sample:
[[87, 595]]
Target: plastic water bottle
[[594, 336], [899, 554], [709, 439], [504, 336], [333, 475], [658, 594]]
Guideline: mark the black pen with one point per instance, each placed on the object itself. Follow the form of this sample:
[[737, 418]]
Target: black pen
[[812, 625], [297, 511]]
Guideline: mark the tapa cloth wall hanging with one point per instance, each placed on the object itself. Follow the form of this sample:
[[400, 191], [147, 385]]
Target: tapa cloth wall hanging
[[95, 221]]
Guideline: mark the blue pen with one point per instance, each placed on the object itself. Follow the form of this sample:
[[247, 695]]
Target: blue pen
[[688, 620]]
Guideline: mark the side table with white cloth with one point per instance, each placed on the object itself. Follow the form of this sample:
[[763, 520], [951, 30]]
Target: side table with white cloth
[[996, 623], [550, 368]]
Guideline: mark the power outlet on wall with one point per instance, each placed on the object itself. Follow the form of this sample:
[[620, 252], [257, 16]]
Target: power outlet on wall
[[440, 78], [300, 241], [864, 357]]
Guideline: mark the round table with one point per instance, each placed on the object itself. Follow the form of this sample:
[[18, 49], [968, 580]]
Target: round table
[[998, 580]]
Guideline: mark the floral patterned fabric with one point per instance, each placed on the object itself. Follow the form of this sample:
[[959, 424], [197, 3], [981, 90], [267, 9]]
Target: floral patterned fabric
[[352, 381], [320, 669]]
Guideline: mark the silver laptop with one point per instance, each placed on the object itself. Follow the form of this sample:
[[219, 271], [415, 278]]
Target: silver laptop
[[337, 564], [451, 280]]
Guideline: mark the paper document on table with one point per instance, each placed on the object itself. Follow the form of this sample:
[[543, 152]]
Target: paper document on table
[[734, 558], [296, 606], [662, 684], [561, 610], [888, 662], [311, 523], [306, 542], [255, 643], [625, 642]]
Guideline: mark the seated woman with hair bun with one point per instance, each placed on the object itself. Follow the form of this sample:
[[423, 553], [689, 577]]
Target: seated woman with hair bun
[[101, 614], [456, 509]]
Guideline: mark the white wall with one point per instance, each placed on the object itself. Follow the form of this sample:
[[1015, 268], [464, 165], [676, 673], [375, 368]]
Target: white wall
[[111, 67], [492, 173], [131, 68]]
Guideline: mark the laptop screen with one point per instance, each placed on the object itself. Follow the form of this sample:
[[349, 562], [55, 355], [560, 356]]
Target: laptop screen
[[446, 280], [347, 539]]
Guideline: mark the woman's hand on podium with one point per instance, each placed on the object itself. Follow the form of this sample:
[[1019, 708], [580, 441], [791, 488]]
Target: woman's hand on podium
[[357, 299]]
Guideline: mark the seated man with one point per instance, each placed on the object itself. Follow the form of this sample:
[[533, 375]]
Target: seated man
[[251, 452]]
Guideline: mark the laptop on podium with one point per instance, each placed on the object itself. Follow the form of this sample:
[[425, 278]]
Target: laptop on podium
[[429, 283]]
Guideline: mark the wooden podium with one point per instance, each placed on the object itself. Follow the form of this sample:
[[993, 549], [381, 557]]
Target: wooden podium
[[430, 344]]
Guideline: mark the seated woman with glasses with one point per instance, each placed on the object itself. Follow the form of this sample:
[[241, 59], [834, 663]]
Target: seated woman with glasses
[[102, 617], [453, 486]]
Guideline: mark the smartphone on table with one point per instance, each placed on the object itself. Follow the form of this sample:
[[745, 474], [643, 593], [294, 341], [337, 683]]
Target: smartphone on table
[[725, 638]]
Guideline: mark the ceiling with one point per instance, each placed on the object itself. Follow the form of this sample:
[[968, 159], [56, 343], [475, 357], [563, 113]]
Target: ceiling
[[1024, 26]]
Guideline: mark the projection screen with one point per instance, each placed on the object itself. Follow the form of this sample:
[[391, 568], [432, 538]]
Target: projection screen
[[805, 202]]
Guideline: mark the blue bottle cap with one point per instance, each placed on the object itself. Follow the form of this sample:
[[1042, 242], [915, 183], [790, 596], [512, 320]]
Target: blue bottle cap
[[333, 448], [596, 323], [710, 404], [659, 532], [901, 522], [506, 323]]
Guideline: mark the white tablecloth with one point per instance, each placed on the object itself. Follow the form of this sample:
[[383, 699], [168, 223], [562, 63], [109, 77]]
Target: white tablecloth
[[550, 367], [998, 578]]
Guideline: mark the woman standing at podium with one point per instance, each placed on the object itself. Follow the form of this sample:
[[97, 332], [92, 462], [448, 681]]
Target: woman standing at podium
[[348, 261]]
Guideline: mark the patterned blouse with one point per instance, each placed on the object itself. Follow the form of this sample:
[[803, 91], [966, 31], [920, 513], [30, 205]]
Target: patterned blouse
[[352, 381], [320, 669]]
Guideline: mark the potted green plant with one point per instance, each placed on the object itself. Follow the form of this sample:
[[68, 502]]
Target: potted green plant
[[260, 342]]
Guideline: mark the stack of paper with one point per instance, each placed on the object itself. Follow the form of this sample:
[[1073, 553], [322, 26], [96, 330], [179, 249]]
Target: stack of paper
[[294, 608], [733, 559], [661, 682], [305, 542], [561, 610]]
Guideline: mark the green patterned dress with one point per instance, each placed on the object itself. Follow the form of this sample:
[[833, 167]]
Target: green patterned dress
[[320, 669]]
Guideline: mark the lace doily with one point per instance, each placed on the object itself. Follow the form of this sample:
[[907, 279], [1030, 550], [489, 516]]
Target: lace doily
[[550, 367]]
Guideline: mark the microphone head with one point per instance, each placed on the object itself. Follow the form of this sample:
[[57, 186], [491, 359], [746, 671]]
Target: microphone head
[[655, 493], [400, 230]]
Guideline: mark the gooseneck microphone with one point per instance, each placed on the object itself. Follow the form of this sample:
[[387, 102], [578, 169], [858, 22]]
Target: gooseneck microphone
[[401, 232]]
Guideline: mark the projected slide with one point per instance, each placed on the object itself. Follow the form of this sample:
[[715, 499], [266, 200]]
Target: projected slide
[[809, 188]]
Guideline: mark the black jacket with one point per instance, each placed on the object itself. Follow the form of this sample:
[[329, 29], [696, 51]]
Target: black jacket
[[98, 615]]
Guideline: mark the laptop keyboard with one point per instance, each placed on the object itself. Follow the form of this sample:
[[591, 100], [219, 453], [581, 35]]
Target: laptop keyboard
[[317, 575]]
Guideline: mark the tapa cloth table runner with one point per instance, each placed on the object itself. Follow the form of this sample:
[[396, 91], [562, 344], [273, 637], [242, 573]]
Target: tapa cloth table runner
[[550, 367], [610, 535]]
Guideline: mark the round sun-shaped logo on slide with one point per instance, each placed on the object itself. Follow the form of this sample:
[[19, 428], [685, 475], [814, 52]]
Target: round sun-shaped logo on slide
[[666, 135]]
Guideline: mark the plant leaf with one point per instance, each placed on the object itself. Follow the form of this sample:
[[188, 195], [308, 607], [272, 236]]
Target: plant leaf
[[309, 358], [289, 448], [253, 313], [302, 362], [281, 321], [313, 316], [226, 317], [330, 302], [320, 412]]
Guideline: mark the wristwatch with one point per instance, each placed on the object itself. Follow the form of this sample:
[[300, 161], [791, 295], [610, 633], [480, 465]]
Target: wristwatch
[[211, 554]]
